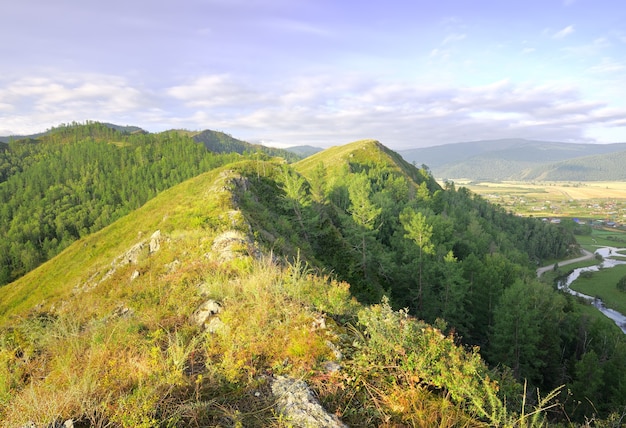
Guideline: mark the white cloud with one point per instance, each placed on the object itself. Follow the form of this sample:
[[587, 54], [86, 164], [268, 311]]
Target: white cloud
[[564, 32], [215, 90], [607, 65], [455, 37], [33, 103], [321, 110]]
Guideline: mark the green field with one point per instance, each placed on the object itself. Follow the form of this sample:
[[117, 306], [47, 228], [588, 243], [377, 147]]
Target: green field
[[602, 238], [587, 201], [602, 284], [591, 200]]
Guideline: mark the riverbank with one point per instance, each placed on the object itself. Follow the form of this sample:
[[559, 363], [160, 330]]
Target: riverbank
[[600, 287]]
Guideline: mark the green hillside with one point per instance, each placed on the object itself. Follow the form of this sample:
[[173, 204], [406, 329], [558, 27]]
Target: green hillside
[[123, 129], [607, 167], [220, 142], [351, 271], [77, 179], [509, 159], [108, 332]]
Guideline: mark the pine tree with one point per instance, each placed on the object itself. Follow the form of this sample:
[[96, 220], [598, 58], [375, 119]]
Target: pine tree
[[419, 231]]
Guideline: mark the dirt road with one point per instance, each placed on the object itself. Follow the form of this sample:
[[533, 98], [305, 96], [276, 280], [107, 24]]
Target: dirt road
[[587, 256]]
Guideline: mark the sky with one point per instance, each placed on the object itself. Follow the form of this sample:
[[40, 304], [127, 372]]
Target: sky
[[410, 74]]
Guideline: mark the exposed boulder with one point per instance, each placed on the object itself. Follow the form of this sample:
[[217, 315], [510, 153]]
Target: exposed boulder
[[207, 310], [297, 402], [155, 242], [214, 325]]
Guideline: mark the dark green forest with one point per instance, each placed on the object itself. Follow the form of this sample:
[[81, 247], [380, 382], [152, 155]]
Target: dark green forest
[[220, 142], [453, 260], [362, 214], [77, 179]]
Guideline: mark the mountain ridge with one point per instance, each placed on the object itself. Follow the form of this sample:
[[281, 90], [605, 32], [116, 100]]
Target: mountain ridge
[[352, 270], [130, 294], [501, 159]]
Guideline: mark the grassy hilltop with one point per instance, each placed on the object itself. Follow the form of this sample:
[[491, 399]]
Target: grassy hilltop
[[351, 270]]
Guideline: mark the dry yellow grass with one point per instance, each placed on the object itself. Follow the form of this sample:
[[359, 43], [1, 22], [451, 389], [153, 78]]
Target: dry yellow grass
[[558, 190]]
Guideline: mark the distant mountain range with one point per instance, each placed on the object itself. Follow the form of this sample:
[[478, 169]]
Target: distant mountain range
[[518, 159], [123, 129], [491, 160], [214, 141]]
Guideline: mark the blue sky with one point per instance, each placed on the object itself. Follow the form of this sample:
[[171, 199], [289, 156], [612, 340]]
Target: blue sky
[[321, 72]]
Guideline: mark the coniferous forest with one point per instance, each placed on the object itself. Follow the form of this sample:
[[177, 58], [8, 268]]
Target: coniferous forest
[[79, 178], [358, 213]]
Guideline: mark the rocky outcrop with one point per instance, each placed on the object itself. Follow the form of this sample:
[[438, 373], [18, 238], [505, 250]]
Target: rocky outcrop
[[155, 242], [129, 257], [232, 244], [58, 424], [206, 310], [296, 401]]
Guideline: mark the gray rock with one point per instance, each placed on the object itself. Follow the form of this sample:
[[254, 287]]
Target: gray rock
[[335, 350], [234, 244], [297, 402], [331, 366], [214, 325], [155, 242], [207, 310]]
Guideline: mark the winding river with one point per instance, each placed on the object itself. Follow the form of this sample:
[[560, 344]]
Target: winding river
[[606, 253]]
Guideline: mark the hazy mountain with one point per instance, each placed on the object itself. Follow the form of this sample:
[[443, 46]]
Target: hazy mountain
[[220, 142], [606, 167], [304, 151], [500, 159]]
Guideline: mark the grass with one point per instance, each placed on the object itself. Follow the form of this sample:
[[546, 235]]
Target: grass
[[594, 200], [602, 284], [602, 238], [182, 207], [551, 276], [80, 340]]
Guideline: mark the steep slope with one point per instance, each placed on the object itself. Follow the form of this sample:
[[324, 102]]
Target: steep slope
[[177, 315], [209, 303], [359, 154], [77, 179]]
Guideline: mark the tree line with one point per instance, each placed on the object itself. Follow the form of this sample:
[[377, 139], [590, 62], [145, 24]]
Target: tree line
[[453, 260], [78, 179]]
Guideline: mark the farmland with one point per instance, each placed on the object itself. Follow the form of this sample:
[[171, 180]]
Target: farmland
[[601, 200]]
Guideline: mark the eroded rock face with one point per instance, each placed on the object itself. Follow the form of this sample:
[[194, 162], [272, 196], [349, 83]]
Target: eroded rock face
[[297, 402]]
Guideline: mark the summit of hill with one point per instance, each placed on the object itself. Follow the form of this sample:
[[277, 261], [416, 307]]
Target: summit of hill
[[347, 288]]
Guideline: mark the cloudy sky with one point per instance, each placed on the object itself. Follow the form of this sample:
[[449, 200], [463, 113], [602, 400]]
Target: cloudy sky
[[410, 73]]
